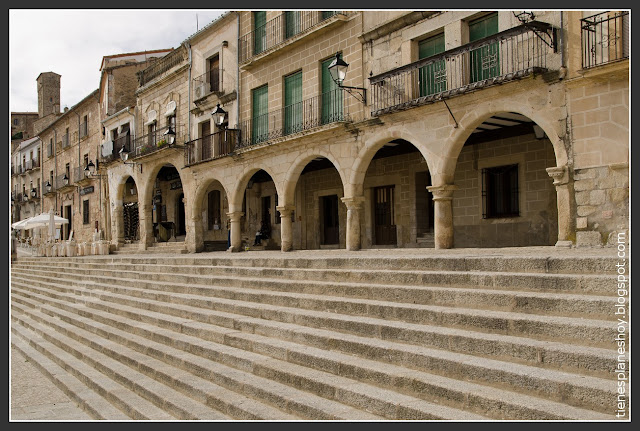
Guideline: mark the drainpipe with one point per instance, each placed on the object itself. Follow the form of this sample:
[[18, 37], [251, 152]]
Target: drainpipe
[[189, 94], [55, 165], [238, 73]]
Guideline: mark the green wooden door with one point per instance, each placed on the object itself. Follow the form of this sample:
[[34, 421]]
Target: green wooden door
[[328, 14], [433, 77], [485, 61], [260, 117], [293, 103], [259, 31], [292, 23], [331, 97]]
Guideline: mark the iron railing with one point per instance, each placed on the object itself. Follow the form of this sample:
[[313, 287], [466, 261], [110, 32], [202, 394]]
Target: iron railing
[[505, 56], [329, 107], [210, 147], [207, 83], [162, 65], [60, 182], [152, 142], [279, 30], [605, 38], [65, 141], [118, 144]]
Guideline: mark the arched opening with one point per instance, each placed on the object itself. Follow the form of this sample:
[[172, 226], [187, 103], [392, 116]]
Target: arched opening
[[398, 210], [168, 213], [319, 218], [260, 215], [504, 196], [215, 223], [130, 215]]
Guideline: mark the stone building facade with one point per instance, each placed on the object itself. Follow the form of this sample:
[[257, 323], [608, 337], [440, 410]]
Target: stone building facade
[[450, 129]]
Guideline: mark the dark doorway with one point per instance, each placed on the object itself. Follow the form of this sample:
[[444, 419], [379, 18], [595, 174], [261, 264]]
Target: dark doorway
[[181, 228], [384, 216], [131, 222], [331, 234], [424, 204], [266, 213], [67, 228]]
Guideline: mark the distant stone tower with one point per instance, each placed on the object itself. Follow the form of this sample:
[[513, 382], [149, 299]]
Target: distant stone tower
[[48, 94]]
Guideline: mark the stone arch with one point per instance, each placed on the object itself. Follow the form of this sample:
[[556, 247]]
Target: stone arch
[[293, 174], [200, 193], [236, 196], [445, 170], [356, 179]]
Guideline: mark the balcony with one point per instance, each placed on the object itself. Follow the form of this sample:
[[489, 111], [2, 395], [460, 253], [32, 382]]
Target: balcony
[[65, 141], [506, 56], [218, 83], [162, 65], [152, 142], [211, 147], [111, 149], [605, 38], [61, 186], [278, 32], [327, 108]]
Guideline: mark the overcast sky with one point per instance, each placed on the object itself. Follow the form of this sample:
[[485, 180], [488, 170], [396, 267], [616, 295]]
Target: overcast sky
[[72, 42]]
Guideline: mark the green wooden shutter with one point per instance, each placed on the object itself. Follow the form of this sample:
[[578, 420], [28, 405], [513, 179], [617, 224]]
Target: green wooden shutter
[[293, 103], [292, 23], [328, 14], [259, 31], [433, 77], [331, 96], [485, 61], [260, 118]]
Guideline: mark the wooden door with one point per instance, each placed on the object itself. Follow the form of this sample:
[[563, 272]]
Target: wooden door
[[384, 215]]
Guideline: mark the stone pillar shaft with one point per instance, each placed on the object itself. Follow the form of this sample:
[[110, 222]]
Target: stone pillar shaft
[[236, 234], [354, 209], [286, 233], [443, 214], [564, 192]]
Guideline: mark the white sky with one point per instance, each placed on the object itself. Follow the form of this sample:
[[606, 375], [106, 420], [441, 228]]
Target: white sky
[[72, 42]]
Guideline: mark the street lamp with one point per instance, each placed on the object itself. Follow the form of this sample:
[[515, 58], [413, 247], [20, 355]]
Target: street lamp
[[90, 169], [34, 193], [65, 180], [170, 135], [124, 156], [338, 70], [48, 186], [219, 116]]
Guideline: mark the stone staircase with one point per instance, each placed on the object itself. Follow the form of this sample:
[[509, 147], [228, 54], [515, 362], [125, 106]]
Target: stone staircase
[[173, 247], [272, 336], [426, 240]]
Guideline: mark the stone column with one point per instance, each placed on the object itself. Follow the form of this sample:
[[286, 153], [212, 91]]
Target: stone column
[[564, 192], [286, 234], [236, 234], [145, 218], [195, 238], [354, 208], [443, 214], [117, 222]]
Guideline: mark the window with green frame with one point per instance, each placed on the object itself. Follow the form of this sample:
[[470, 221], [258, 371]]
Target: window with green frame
[[259, 31], [485, 61], [433, 77], [293, 103], [331, 96], [292, 23], [328, 14], [259, 117]]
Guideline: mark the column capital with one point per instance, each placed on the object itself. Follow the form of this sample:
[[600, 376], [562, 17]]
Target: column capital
[[235, 216], [285, 210], [442, 192], [354, 202], [560, 175]]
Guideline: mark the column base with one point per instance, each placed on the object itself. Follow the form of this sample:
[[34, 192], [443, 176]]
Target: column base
[[564, 244]]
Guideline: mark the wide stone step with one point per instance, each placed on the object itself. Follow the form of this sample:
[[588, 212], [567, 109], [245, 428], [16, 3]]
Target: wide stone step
[[129, 392], [345, 391], [574, 358], [485, 262], [328, 312], [165, 385], [589, 391], [548, 303], [90, 401]]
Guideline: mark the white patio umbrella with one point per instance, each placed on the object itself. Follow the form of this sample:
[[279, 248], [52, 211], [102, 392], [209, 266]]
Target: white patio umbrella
[[19, 225], [45, 219]]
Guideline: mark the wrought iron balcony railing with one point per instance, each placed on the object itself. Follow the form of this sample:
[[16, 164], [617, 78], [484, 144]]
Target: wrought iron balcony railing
[[279, 30], [210, 147], [162, 65], [152, 142], [65, 141], [505, 56], [605, 38], [112, 150], [329, 107], [208, 83]]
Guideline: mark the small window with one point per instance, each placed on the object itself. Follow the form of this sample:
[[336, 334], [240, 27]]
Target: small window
[[500, 195], [213, 210], [15, 121], [85, 211]]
